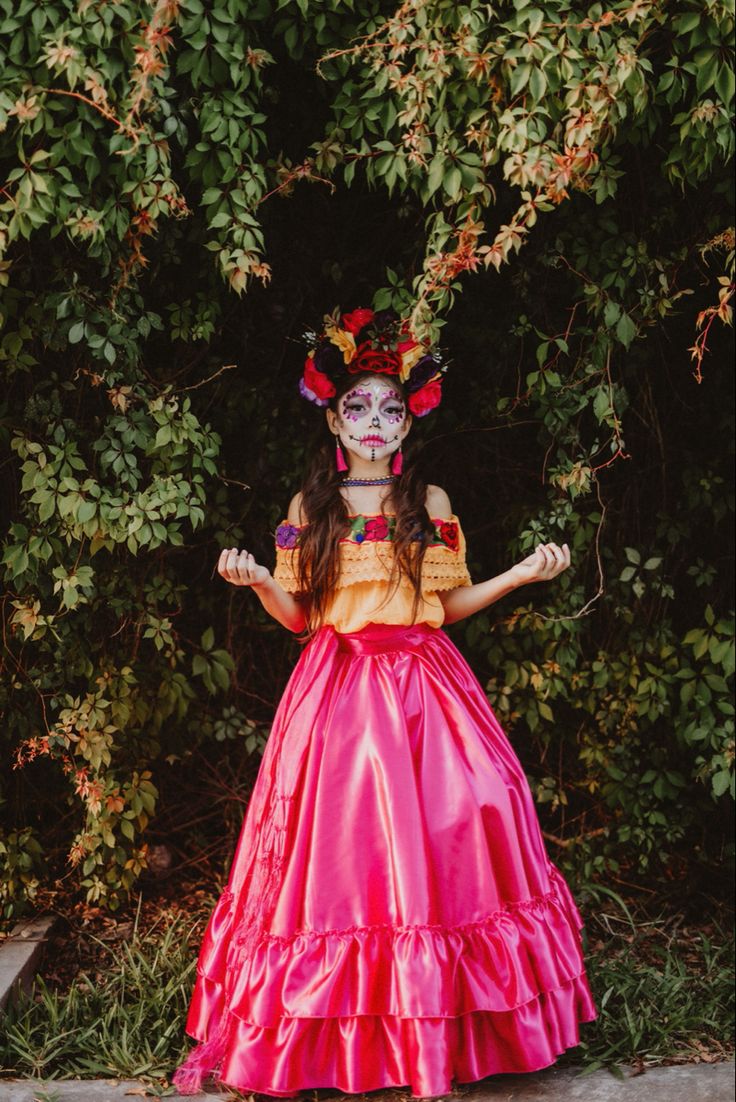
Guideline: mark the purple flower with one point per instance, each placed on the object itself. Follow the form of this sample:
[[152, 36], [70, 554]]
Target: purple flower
[[380, 331], [385, 319], [329, 359], [421, 373], [287, 536]]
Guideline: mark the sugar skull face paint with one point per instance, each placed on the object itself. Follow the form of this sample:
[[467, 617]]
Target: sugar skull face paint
[[353, 404], [372, 419]]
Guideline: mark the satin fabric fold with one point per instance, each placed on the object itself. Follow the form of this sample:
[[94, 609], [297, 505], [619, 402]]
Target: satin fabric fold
[[392, 917]]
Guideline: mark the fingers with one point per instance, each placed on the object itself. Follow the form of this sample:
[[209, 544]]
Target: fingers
[[245, 565], [236, 567], [226, 562], [553, 558]]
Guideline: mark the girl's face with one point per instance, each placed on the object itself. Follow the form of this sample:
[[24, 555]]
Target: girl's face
[[371, 419]]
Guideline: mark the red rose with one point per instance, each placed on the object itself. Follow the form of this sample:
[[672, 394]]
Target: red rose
[[374, 361], [317, 381], [426, 398], [405, 346], [354, 322], [449, 534], [376, 528]]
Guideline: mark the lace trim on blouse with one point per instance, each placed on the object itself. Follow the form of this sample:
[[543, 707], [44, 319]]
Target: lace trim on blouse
[[366, 554]]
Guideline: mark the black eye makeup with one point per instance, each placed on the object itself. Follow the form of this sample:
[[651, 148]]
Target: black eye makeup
[[392, 408], [358, 403], [354, 410]]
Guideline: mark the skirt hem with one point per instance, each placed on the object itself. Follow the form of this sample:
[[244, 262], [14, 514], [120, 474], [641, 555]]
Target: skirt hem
[[423, 1055]]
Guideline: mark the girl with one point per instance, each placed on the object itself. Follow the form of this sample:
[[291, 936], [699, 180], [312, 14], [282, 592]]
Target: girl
[[391, 918]]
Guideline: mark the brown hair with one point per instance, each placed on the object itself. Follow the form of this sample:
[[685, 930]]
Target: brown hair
[[326, 516]]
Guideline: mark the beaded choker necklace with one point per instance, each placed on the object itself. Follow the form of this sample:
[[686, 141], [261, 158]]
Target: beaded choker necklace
[[369, 481]]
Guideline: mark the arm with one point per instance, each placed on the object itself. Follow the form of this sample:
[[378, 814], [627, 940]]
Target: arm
[[240, 568], [467, 599], [546, 562]]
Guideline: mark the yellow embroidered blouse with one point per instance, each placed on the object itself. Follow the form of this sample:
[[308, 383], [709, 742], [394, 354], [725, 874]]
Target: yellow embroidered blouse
[[363, 594]]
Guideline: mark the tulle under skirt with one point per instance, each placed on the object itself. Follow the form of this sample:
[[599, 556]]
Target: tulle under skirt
[[392, 917]]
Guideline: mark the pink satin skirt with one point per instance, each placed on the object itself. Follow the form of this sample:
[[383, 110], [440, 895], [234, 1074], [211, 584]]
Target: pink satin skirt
[[392, 918]]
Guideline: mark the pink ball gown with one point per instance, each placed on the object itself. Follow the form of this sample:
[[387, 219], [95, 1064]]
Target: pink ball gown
[[392, 918]]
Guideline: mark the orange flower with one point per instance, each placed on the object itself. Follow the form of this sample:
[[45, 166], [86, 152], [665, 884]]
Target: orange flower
[[344, 341]]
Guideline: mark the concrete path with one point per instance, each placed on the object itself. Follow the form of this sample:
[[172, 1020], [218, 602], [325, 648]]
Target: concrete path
[[20, 955], [685, 1083]]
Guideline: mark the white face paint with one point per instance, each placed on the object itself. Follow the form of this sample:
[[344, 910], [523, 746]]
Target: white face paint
[[372, 419]]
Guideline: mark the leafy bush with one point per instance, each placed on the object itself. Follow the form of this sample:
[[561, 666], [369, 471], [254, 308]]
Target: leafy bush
[[20, 866], [565, 168]]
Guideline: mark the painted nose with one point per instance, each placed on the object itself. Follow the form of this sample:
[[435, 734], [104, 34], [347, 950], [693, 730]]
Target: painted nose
[[375, 423]]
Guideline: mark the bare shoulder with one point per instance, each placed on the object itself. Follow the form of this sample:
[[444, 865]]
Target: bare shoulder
[[295, 514], [437, 502]]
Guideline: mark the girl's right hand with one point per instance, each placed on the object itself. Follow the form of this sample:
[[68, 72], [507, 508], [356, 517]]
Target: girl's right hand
[[240, 568]]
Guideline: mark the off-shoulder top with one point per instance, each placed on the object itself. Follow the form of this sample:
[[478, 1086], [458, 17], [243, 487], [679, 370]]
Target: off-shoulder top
[[364, 594]]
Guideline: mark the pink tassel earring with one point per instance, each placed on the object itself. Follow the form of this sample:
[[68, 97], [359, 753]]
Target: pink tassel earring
[[339, 457], [397, 463]]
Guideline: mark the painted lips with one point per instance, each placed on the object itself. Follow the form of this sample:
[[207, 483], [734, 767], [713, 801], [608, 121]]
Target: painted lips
[[376, 441]]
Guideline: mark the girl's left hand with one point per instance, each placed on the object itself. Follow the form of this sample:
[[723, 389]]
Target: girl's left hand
[[546, 562]]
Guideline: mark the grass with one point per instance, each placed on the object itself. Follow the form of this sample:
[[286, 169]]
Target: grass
[[128, 1023], [663, 987]]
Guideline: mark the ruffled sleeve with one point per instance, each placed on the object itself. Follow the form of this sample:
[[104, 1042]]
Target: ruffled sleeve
[[286, 570], [445, 565]]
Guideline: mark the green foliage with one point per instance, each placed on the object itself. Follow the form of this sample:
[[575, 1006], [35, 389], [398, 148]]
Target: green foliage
[[644, 723], [706, 708], [21, 865], [155, 159], [128, 1023]]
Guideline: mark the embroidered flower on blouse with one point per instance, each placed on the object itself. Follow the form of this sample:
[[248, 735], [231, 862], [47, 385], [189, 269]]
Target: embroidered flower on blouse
[[287, 536], [376, 528], [449, 534]]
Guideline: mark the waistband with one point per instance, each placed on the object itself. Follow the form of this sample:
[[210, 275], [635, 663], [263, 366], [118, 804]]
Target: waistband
[[384, 638]]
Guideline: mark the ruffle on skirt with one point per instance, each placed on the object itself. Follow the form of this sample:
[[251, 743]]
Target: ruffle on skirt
[[392, 918]]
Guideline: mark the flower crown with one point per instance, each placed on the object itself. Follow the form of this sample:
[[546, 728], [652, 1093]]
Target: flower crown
[[366, 342]]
